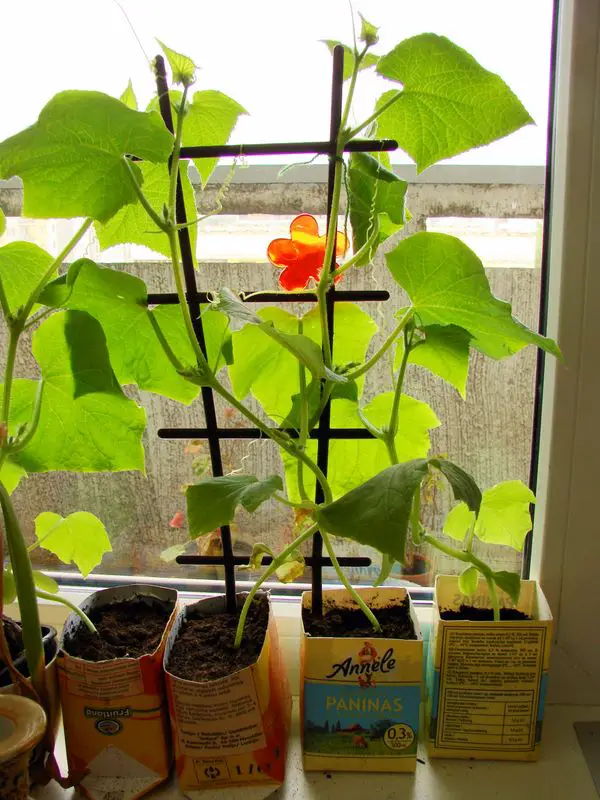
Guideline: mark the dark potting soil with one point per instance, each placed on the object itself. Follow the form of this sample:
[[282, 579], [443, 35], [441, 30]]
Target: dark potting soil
[[204, 648], [125, 630], [395, 623], [475, 614]]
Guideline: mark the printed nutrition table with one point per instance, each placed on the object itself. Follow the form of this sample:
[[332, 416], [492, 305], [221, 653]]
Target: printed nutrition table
[[489, 690]]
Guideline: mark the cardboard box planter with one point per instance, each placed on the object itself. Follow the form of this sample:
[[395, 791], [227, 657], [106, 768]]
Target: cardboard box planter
[[115, 712], [487, 680], [231, 731], [360, 698]]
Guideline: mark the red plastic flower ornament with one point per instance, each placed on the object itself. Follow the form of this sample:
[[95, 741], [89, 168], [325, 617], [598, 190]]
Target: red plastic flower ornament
[[178, 520], [301, 256]]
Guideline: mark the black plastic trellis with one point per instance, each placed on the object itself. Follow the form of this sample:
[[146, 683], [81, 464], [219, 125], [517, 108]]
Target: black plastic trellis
[[212, 432]]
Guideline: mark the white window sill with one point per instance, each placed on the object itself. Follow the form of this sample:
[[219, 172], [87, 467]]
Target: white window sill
[[561, 773]]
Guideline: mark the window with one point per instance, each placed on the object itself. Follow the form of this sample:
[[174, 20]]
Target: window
[[492, 198]]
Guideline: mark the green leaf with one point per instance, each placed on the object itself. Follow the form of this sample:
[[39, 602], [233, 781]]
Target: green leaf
[[210, 120], [368, 61], [132, 225], [183, 68], [128, 97], [510, 583], [2, 222], [80, 538], [22, 266], [387, 565], [45, 582], [369, 34], [377, 512], [171, 553], [9, 587], [447, 285], [463, 485], [11, 474], [71, 160], [468, 581], [449, 103], [377, 201], [444, 351], [505, 517], [119, 302], [459, 520], [305, 350], [213, 502], [416, 419], [86, 422]]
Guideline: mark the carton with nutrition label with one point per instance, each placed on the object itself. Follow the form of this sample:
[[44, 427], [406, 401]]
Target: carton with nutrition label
[[487, 680]]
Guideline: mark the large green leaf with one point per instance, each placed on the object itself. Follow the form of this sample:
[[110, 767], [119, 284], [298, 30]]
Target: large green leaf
[[369, 60], [376, 199], [22, 266], [119, 302], [71, 160], [377, 512], [213, 502], [80, 538], [509, 582], [504, 517], [86, 422], [305, 350], [447, 285], [444, 351], [210, 120], [449, 102], [263, 367], [132, 225], [468, 580]]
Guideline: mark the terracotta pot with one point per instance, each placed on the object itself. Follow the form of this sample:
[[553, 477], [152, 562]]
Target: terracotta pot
[[22, 726], [53, 712]]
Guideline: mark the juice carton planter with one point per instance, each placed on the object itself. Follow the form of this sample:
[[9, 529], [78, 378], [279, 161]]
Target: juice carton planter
[[231, 731], [487, 680], [115, 712], [360, 697]]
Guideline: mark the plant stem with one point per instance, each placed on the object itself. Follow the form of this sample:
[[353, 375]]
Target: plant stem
[[24, 314], [56, 598], [355, 131], [303, 421], [180, 114], [185, 311], [277, 437], [358, 255], [175, 362], [353, 593], [392, 429], [22, 443], [23, 574], [270, 570], [14, 332], [306, 506], [4, 304], [156, 218], [493, 597], [351, 376]]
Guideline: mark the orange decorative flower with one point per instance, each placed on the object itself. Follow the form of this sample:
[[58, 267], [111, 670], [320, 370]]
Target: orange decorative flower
[[178, 520], [301, 256]]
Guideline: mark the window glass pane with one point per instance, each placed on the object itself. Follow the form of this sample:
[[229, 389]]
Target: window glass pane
[[500, 218]]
